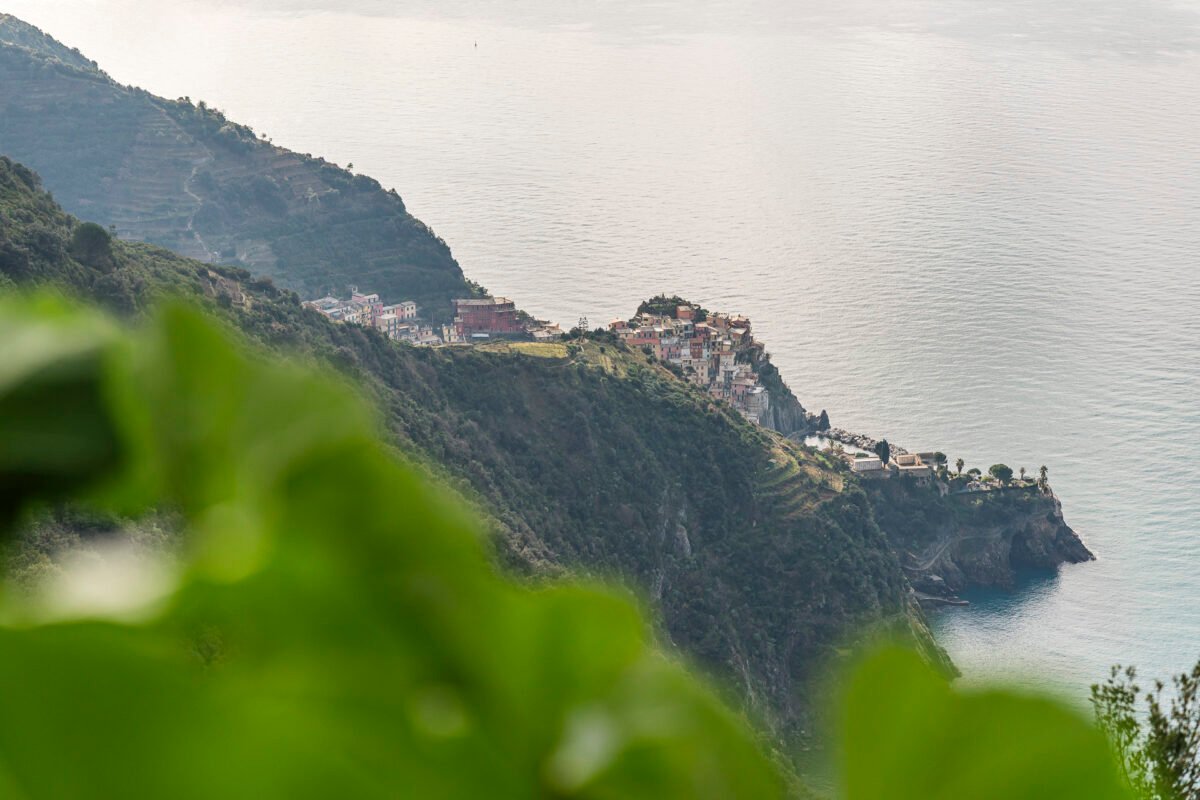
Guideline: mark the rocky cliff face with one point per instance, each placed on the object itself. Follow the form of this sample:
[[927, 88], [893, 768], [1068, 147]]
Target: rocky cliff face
[[786, 415], [1048, 542], [951, 543]]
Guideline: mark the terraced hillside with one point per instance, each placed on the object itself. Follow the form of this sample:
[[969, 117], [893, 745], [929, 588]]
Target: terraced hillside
[[761, 558], [14, 31], [182, 176]]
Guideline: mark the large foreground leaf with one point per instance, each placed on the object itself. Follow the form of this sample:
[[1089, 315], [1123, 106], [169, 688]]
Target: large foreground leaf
[[909, 736], [336, 629]]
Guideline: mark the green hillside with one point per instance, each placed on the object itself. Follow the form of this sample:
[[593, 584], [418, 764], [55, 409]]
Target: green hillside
[[21, 34], [182, 176], [761, 558]]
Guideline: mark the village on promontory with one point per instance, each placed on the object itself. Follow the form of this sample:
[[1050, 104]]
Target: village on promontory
[[713, 350]]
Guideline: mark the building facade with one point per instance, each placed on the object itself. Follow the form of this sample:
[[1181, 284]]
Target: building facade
[[487, 315]]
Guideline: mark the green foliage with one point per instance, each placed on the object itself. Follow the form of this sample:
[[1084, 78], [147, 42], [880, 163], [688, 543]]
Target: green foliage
[[908, 736], [883, 450], [1158, 747], [92, 245], [52, 433], [664, 306], [336, 629], [1001, 472]]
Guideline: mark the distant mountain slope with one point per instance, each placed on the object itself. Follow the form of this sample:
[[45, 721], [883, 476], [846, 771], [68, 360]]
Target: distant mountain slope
[[761, 557], [183, 176], [16, 32]]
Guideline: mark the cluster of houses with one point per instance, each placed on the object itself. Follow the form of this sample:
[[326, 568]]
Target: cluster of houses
[[714, 351], [922, 468], [917, 466], [475, 319], [398, 321]]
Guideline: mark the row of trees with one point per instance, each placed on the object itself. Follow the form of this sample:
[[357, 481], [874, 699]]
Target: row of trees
[[1001, 473]]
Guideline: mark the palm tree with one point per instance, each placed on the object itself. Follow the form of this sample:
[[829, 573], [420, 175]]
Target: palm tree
[[1022, 474], [1043, 472], [960, 464]]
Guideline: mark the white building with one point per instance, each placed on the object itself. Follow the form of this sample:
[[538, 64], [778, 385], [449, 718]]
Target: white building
[[864, 464]]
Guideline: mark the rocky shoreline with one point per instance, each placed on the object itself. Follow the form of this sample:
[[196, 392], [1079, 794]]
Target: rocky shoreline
[[994, 555], [945, 552], [859, 440]]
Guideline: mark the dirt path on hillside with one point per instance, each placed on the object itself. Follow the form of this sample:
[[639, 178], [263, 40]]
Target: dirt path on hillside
[[940, 549], [210, 255]]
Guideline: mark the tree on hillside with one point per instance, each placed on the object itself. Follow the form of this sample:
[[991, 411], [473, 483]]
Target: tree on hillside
[[1042, 480], [883, 450], [91, 246], [1001, 472], [1158, 747], [1022, 474], [662, 305], [960, 464], [974, 473]]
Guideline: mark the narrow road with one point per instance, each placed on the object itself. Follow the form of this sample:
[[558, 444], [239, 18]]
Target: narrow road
[[210, 255], [941, 547]]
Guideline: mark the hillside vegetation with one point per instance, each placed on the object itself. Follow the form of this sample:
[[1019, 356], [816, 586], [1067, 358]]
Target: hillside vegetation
[[760, 557], [179, 174]]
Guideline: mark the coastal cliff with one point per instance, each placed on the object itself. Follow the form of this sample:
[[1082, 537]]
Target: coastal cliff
[[785, 415], [719, 351], [953, 542]]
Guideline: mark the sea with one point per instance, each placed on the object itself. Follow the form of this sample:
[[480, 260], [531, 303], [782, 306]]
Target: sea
[[961, 225]]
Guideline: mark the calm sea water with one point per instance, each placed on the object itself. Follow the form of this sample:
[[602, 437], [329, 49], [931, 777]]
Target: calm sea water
[[965, 226]]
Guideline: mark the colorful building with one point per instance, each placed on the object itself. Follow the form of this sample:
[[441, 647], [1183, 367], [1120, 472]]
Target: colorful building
[[707, 353], [487, 315]]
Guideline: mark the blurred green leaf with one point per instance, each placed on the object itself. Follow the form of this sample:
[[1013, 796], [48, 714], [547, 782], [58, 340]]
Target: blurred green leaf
[[56, 435], [907, 734], [338, 630]]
